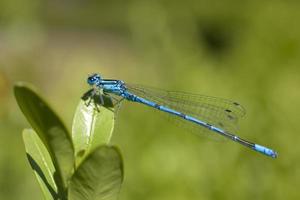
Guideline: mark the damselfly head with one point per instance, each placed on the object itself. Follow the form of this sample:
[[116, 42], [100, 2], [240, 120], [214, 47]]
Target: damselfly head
[[94, 79]]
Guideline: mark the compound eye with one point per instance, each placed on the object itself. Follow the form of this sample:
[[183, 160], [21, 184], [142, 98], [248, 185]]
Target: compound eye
[[91, 80]]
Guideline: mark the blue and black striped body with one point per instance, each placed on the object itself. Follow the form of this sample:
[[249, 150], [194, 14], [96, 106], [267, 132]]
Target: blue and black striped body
[[256, 147], [119, 88]]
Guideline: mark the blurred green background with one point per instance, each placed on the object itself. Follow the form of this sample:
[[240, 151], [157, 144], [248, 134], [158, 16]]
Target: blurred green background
[[248, 51]]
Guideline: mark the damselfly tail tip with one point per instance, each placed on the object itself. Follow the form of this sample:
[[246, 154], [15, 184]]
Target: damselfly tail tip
[[275, 154], [265, 150]]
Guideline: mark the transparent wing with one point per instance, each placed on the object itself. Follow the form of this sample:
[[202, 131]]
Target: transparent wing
[[221, 113]]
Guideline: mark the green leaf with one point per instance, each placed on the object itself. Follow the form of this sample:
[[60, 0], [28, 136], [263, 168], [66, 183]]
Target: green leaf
[[50, 130], [41, 163], [92, 126], [99, 177]]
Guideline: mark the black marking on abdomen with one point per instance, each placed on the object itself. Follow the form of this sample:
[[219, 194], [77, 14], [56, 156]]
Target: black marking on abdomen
[[157, 106], [209, 126], [182, 115]]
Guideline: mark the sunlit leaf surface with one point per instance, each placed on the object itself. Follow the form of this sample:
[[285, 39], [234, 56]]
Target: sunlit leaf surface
[[92, 126]]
